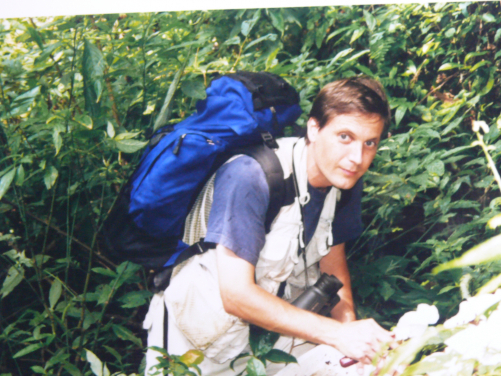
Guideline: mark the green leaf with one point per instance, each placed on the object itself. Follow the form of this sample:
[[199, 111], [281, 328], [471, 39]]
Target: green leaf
[[487, 17], [114, 352], [487, 251], [6, 181], [255, 367], [35, 35], [104, 271], [85, 120], [356, 34], [71, 369], [14, 278], [110, 130], [194, 89], [130, 146], [436, 167], [192, 357], [447, 66], [261, 340], [231, 41], [249, 24], [399, 114], [279, 356], [58, 140], [498, 35], [93, 66], [135, 299], [50, 176], [450, 32], [48, 50], [125, 334], [451, 126], [370, 20], [95, 364], [340, 55], [480, 64], [27, 350], [38, 369], [22, 103], [20, 175], [446, 289], [277, 20], [474, 54], [55, 292], [386, 290], [271, 37]]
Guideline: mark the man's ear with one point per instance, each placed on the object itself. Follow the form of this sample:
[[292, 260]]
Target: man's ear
[[312, 128]]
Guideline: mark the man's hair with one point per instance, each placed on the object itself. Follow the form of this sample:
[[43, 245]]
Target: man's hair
[[355, 95]]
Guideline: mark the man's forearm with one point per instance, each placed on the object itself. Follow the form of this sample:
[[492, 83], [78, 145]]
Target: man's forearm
[[335, 263], [244, 299], [241, 297]]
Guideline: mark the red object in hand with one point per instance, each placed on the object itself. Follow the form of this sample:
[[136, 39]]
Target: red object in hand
[[346, 362]]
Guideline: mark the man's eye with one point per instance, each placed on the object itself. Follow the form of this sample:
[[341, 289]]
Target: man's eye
[[343, 136], [370, 144]]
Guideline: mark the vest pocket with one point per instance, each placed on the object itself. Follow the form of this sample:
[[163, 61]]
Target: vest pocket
[[195, 303]]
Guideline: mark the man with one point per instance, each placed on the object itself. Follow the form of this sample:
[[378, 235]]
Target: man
[[214, 296]]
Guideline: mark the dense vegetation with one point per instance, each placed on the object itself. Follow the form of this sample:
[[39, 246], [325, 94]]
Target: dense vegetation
[[79, 96]]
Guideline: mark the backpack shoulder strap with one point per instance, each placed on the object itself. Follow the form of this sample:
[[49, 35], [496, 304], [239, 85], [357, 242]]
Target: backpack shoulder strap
[[281, 190]]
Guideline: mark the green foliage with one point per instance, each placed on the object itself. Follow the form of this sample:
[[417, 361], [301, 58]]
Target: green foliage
[[261, 342], [78, 96]]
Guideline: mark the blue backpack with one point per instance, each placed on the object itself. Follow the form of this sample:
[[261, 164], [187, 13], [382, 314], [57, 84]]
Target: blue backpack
[[241, 114]]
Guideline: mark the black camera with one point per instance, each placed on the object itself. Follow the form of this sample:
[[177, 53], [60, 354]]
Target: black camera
[[321, 297]]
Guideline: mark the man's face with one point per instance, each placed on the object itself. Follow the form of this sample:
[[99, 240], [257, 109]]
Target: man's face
[[342, 151]]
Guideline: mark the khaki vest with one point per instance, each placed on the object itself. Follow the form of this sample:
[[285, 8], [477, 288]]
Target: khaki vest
[[193, 299]]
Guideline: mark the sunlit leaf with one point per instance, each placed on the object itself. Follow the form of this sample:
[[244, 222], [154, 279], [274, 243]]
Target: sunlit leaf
[[192, 357], [370, 20], [130, 146], [27, 350], [279, 356], [487, 251], [14, 277], [55, 292], [95, 363], [255, 367], [50, 176], [6, 181]]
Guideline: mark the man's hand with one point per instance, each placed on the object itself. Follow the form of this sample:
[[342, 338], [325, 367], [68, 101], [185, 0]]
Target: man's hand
[[362, 340], [241, 297]]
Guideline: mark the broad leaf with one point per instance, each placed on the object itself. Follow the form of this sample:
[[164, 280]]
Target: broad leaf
[[279, 356], [95, 363], [255, 367], [6, 181], [14, 278], [27, 350], [130, 146], [93, 66], [55, 292], [125, 334], [22, 103], [50, 176], [192, 357]]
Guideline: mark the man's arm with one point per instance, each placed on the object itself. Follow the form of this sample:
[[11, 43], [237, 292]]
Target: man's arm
[[334, 263], [241, 297]]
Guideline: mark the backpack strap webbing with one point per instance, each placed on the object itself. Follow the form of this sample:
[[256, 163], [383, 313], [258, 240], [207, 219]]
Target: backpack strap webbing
[[281, 193]]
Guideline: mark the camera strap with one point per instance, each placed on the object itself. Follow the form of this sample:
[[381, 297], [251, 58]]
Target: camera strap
[[301, 244]]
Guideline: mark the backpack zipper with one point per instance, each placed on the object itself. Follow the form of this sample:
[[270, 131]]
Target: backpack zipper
[[183, 136]]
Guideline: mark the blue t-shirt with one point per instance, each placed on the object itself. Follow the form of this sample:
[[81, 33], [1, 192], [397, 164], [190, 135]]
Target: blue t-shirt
[[241, 197]]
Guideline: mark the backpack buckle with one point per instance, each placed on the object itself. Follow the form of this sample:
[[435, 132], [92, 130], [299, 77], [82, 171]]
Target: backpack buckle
[[269, 140]]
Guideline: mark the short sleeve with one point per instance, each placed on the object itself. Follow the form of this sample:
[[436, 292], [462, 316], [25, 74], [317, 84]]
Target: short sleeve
[[347, 223], [238, 213]]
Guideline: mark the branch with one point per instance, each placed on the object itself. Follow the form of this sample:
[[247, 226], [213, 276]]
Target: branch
[[103, 260]]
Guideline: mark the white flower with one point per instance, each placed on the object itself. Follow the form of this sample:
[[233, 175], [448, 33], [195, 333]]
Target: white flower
[[481, 342], [413, 324], [476, 125], [473, 307]]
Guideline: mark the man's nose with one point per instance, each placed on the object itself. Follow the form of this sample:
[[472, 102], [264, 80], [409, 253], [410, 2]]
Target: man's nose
[[356, 153]]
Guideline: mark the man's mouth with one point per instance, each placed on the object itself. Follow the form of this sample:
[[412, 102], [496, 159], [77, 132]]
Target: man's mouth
[[349, 172]]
